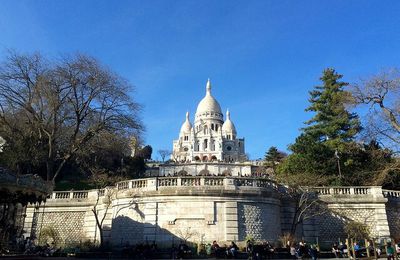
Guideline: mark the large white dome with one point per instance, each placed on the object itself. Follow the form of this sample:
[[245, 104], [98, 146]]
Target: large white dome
[[208, 103]]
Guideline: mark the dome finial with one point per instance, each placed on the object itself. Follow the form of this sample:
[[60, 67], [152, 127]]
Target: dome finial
[[228, 114], [208, 87], [187, 115]]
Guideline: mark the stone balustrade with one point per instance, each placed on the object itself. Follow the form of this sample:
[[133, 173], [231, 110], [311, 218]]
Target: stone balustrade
[[392, 194], [76, 195], [160, 183], [347, 190], [211, 182]]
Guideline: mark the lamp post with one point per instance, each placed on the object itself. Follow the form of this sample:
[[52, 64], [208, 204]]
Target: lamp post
[[338, 163]]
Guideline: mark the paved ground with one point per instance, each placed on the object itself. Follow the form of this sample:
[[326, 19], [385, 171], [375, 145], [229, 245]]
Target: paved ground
[[70, 258]]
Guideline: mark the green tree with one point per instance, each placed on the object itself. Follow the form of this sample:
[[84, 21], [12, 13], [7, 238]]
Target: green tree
[[328, 145], [332, 123], [273, 157], [323, 144]]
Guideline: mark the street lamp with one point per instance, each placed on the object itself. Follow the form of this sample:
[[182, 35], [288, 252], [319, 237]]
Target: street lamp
[[338, 163]]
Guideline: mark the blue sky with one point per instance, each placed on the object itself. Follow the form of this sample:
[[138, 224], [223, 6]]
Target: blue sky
[[262, 56]]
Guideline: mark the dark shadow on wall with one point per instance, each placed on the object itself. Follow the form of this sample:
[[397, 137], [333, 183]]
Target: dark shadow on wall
[[125, 231], [393, 215], [331, 226]]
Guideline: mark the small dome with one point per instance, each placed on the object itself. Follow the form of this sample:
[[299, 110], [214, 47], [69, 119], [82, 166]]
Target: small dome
[[208, 103], [186, 126], [228, 125]]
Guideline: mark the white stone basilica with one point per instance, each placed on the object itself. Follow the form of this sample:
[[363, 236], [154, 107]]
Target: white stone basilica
[[211, 138]]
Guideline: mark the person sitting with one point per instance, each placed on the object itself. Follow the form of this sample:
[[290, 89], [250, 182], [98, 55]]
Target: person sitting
[[313, 252], [397, 247], [293, 250], [182, 250], [232, 250], [343, 251], [268, 250], [357, 250], [335, 250], [301, 250], [215, 249]]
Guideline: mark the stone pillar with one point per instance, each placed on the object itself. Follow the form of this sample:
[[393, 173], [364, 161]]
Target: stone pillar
[[30, 211], [151, 222], [231, 218]]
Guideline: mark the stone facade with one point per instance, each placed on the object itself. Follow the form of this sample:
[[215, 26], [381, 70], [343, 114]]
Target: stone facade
[[393, 213], [206, 208], [256, 221], [211, 138], [217, 169], [67, 224]]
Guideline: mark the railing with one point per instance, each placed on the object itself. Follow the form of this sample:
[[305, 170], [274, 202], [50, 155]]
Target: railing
[[123, 185], [62, 195], [214, 181], [342, 190], [211, 182], [80, 195], [190, 181], [138, 183], [167, 182], [391, 194], [102, 192]]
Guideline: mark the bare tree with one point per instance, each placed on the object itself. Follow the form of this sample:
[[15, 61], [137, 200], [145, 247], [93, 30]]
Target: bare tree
[[381, 93], [306, 203], [186, 233], [60, 106], [100, 215], [164, 153]]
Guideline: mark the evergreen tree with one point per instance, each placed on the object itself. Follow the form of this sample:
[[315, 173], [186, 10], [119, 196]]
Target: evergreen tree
[[273, 157], [332, 123], [325, 139]]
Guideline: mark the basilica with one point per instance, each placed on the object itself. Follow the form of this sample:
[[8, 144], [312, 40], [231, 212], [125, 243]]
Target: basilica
[[211, 138], [209, 192]]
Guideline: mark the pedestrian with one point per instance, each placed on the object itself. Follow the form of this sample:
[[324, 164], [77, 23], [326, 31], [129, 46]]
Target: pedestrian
[[293, 250], [390, 251], [313, 252]]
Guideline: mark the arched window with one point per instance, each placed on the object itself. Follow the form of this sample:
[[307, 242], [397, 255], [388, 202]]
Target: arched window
[[205, 145], [212, 126], [216, 127]]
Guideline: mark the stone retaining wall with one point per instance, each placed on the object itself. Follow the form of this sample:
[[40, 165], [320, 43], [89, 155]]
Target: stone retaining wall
[[203, 209]]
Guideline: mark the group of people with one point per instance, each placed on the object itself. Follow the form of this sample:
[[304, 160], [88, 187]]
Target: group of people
[[31, 248], [341, 250], [225, 251], [263, 251], [253, 251], [303, 250]]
